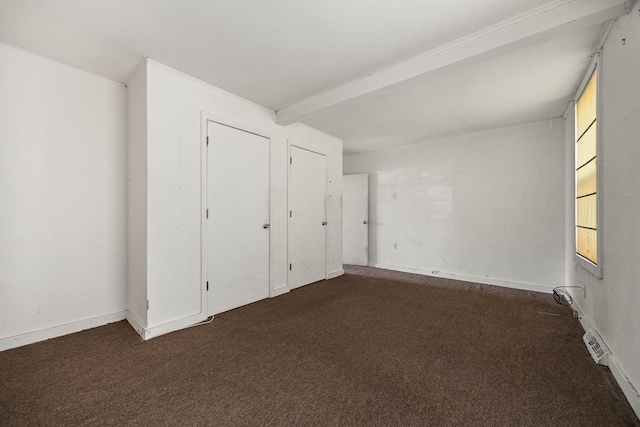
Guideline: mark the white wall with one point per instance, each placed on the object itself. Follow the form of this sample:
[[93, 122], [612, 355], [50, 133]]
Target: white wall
[[175, 103], [63, 253], [137, 193], [487, 207], [612, 305]]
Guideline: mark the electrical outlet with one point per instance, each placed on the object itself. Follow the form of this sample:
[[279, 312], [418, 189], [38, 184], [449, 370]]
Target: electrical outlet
[[395, 246], [435, 272], [395, 195], [583, 289]]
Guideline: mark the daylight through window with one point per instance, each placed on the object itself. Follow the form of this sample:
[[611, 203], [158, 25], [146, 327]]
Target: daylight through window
[[586, 174]]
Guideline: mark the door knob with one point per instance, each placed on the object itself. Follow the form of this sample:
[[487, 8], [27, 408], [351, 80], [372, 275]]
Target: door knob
[[364, 222], [324, 222], [265, 225]]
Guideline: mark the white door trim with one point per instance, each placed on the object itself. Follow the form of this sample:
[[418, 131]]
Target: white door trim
[[206, 117], [318, 150]]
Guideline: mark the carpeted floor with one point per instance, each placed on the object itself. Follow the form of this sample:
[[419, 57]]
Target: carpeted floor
[[372, 347]]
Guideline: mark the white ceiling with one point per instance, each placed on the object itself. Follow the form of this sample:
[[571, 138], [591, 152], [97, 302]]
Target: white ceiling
[[280, 52], [273, 52], [525, 86]]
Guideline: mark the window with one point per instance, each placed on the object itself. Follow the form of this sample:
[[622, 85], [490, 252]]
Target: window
[[587, 173]]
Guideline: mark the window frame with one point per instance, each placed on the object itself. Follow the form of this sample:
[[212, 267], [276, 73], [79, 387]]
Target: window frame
[[596, 269]]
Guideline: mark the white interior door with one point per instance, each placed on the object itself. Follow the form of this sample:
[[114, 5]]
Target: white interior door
[[355, 219], [238, 217], [307, 217]]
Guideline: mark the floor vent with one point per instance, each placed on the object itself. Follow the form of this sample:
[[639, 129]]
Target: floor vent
[[596, 346]]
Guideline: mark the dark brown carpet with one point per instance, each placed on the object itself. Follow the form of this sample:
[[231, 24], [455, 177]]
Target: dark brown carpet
[[372, 347]]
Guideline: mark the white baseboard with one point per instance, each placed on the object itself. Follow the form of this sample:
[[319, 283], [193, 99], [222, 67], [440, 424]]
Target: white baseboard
[[136, 324], [630, 392], [628, 389], [586, 324], [280, 290], [59, 330], [335, 273], [164, 328], [465, 278]]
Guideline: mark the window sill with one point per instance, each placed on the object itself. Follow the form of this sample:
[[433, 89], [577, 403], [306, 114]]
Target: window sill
[[596, 270]]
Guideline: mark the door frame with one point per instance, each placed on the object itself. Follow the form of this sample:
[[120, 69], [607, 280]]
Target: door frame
[[205, 118], [322, 152]]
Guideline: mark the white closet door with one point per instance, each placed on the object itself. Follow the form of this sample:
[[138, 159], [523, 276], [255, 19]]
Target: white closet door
[[237, 226], [307, 217], [355, 228]]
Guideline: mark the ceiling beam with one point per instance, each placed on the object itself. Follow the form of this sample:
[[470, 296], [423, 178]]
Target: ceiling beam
[[543, 23]]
